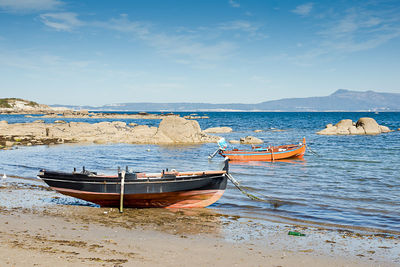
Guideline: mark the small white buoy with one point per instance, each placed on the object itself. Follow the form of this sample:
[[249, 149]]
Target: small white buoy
[[148, 150], [4, 176]]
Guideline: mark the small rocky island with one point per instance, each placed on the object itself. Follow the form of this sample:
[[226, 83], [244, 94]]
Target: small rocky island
[[171, 130], [347, 127]]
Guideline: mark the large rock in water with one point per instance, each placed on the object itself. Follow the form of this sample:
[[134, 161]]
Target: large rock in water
[[347, 127], [218, 130], [251, 140], [177, 130], [370, 125]]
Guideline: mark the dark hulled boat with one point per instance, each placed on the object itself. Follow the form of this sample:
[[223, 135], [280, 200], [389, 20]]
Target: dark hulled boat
[[141, 190]]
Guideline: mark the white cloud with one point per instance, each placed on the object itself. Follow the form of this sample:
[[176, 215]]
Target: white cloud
[[186, 50], [233, 3], [304, 9], [360, 30], [29, 5], [200, 48], [244, 26], [352, 30], [65, 21], [123, 24], [186, 47]]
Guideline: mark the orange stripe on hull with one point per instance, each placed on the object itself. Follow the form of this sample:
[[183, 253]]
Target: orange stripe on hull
[[185, 199], [264, 156]]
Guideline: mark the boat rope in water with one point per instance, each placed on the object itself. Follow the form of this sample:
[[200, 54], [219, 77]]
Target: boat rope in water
[[312, 151], [276, 203]]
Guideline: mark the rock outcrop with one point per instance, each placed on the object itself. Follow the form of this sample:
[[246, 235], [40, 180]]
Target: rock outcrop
[[172, 130], [248, 140], [218, 130], [177, 130], [348, 127]]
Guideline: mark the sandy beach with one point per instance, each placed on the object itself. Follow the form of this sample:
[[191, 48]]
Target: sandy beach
[[34, 232]]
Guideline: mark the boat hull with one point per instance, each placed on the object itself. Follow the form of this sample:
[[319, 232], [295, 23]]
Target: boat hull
[[193, 191], [180, 199], [253, 155]]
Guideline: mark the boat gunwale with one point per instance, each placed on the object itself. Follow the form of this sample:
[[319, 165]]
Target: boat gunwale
[[142, 180]]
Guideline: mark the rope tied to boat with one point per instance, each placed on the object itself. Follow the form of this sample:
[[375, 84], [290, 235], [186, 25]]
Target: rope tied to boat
[[312, 151], [275, 202]]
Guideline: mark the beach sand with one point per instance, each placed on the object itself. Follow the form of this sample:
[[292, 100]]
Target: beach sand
[[53, 234]]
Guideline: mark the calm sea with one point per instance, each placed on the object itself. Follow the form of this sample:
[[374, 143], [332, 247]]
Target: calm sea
[[352, 181]]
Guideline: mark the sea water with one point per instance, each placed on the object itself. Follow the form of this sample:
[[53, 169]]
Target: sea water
[[350, 181]]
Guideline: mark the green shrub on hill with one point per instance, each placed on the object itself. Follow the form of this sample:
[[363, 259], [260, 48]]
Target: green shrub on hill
[[4, 102]]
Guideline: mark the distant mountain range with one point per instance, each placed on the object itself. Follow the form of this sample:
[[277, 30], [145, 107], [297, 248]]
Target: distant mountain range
[[341, 100]]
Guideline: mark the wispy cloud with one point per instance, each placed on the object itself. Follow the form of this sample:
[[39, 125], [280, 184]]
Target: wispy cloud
[[359, 30], [184, 46], [124, 24], [304, 9], [29, 5], [64, 21], [243, 26], [352, 30], [38, 61], [234, 3], [198, 47]]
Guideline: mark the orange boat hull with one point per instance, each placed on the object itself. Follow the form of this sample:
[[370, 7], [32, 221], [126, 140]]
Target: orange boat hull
[[275, 153], [185, 199]]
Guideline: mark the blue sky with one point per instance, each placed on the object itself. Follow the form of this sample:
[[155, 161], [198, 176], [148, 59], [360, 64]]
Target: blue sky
[[221, 51]]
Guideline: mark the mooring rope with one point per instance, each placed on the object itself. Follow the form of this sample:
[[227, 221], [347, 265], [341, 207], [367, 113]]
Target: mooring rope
[[312, 151], [275, 202]]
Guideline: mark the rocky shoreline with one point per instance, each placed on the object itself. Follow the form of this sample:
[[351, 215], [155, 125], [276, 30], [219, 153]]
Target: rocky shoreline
[[172, 130]]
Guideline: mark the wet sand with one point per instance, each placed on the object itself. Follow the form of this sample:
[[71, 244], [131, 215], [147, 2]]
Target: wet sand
[[37, 229]]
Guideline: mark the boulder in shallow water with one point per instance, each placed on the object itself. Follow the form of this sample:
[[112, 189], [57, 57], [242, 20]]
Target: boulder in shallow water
[[251, 140], [346, 123], [356, 130], [329, 130], [384, 129], [347, 127], [370, 125], [177, 130], [218, 130]]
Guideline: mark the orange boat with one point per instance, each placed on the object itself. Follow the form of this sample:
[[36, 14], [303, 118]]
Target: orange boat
[[257, 153]]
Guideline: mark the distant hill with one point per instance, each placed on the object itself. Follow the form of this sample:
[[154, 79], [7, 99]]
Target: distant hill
[[341, 100]]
